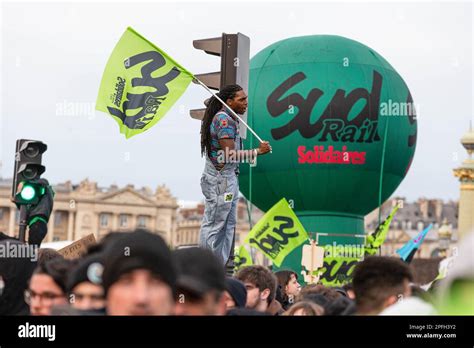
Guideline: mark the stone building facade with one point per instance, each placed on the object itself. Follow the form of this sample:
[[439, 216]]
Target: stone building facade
[[83, 209]]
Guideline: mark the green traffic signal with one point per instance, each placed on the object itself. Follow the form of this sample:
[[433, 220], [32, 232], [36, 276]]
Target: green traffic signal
[[28, 193]]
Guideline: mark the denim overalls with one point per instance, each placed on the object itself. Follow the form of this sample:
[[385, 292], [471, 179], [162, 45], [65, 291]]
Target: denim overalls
[[221, 190]]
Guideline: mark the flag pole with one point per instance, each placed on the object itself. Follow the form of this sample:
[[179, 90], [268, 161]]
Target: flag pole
[[228, 108], [312, 263]]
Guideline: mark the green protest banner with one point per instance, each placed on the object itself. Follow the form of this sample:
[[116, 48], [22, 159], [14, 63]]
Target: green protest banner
[[278, 232], [242, 258], [337, 271], [140, 84], [375, 240]]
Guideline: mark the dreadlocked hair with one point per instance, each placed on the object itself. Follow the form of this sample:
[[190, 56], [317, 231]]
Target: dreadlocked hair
[[213, 106]]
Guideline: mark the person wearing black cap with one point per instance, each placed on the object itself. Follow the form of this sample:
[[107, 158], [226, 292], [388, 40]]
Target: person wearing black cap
[[235, 294], [201, 282], [139, 276], [85, 284]]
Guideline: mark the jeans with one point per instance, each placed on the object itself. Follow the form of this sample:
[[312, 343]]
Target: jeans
[[221, 191]]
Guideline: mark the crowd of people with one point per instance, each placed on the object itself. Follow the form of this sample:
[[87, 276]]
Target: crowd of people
[[136, 273]]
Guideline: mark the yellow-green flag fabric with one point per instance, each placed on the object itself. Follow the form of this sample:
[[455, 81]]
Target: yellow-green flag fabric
[[140, 84], [242, 258], [376, 239], [278, 232]]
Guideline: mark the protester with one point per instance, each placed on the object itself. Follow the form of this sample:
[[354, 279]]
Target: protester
[[349, 289], [47, 286], [318, 289], [47, 254], [289, 287], [261, 287], [139, 276], [15, 272], [235, 294], [305, 308], [379, 282], [246, 312], [85, 284], [340, 306], [14, 275], [201, 283], [219, 181], [410, 306]]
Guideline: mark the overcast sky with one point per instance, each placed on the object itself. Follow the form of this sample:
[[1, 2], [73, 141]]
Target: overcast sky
[[53, 56]]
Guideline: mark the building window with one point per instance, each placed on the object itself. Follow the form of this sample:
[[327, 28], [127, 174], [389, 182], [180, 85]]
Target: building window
[[409, 225], [104, 220], [420, 225], [123, 220], [1, 214], [142, 220], [58, 217]]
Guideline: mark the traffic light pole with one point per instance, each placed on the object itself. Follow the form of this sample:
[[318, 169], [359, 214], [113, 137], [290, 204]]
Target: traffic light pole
[[23, 223]]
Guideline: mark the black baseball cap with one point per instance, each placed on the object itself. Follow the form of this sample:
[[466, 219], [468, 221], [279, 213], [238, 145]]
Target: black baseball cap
[[199, 271]]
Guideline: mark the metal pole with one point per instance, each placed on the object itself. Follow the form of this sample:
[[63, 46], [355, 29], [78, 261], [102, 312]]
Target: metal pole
[[23, 223]]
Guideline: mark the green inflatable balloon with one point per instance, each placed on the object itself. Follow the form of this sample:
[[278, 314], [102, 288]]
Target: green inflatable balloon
[[342, 126]]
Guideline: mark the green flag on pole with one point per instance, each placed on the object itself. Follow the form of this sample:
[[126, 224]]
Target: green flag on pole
[[140, 84], [278, 232], [242, 258], [376, 239]]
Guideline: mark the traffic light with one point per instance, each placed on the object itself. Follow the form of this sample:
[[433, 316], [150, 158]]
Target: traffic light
[[28, 168], [29, 193], [234, 50]]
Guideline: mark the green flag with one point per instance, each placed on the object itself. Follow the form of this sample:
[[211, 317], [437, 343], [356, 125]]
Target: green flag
[[278, 232], [140, 84], [242, 258], [376, 239]]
